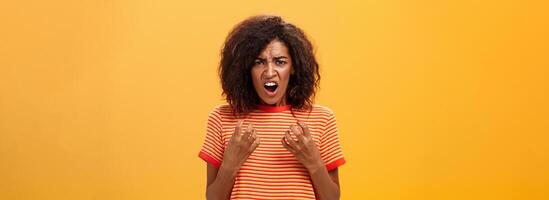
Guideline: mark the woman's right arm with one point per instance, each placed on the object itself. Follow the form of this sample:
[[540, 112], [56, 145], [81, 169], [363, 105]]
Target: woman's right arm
[[220, 181]]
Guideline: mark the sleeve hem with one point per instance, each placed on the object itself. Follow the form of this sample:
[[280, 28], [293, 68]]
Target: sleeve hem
[[209, 159], [335, 164]]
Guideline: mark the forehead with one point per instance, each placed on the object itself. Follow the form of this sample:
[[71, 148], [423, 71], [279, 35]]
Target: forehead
[[275, 48]]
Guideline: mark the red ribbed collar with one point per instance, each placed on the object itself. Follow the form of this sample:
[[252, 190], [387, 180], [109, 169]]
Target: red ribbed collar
[[267, 108]]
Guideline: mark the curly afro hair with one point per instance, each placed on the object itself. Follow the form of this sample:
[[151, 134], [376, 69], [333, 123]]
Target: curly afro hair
[[242, 46]]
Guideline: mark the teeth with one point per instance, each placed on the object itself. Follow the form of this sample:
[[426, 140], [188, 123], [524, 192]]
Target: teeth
[[270, 84]]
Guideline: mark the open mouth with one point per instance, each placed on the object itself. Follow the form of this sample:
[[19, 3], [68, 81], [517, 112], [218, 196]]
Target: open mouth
[[270, 86]]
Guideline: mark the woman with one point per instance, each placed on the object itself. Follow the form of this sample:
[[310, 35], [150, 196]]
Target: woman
[[270, 141]]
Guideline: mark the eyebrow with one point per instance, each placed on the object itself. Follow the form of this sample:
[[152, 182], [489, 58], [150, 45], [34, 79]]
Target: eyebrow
[[280, 57], [275, 58]]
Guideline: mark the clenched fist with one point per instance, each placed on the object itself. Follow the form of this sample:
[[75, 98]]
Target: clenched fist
[[303, 146], [240, 146]]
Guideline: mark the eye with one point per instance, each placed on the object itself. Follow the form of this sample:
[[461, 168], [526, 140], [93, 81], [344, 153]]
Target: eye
[[258, 62], [280, 62]]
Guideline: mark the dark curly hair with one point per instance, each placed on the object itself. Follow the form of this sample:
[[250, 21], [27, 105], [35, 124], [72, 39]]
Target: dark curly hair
[[242, 46]]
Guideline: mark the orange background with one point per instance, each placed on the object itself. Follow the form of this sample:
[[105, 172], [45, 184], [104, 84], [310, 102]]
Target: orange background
[[434, 99]]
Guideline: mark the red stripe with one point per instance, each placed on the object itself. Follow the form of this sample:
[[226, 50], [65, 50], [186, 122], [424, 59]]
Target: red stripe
[[335, 164], [209, 159]]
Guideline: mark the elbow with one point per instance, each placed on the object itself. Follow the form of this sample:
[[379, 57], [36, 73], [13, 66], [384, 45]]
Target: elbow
[[336, 194], [210, 195]]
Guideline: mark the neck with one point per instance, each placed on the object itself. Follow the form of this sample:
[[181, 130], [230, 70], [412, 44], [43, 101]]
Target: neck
[[280, 103]]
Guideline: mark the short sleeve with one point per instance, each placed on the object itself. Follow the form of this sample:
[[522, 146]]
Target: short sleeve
[[330, 148], [213, 148]]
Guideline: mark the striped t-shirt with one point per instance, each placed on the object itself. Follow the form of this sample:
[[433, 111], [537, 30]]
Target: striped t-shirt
[[271, 171]]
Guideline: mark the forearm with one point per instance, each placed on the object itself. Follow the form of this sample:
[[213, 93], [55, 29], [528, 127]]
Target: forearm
[[221, 187], [325, 187]]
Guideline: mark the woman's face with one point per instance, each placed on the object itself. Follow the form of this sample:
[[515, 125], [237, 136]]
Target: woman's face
[[271, 73]]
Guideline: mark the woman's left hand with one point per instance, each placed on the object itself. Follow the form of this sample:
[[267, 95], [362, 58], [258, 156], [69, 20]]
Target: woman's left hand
[[303, 147]]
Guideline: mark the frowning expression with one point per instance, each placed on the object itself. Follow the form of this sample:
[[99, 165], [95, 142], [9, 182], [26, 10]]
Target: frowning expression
[[271, 73]]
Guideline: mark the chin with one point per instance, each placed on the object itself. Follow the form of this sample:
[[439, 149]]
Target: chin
[[271, 101]]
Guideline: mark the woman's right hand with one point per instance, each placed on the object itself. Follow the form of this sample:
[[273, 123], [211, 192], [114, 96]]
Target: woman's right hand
[[240, 146]]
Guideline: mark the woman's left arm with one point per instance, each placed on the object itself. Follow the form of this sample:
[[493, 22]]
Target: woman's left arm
[[326, 184]]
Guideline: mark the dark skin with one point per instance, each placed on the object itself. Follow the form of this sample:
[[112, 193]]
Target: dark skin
[[274, 63], [297, 140]]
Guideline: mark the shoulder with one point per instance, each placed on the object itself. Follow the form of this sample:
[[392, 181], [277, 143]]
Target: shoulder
[[317, 112], [320, 109], [221, 111], [221, 108]]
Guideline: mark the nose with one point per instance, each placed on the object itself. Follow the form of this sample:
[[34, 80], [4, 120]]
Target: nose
[[270, 72]]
